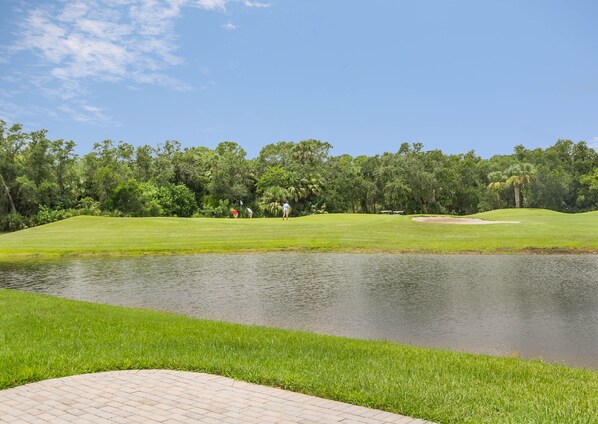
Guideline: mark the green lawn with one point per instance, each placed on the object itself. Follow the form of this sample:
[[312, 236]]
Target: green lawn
[[43, 337], [538, 231]]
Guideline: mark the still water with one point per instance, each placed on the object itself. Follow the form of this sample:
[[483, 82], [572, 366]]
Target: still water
[[527, 305]]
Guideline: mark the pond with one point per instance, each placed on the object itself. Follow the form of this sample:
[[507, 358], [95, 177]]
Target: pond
[[527, 305]]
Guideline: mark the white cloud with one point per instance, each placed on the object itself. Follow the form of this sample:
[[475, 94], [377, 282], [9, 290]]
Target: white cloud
[[86, 113], [102, 42], [11, 79], [211, 4], [8, 110], [164, 80], [126, 41], [255, 4], [203, 70]]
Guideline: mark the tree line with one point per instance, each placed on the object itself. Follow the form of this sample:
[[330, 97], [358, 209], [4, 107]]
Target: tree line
[[43, 180]]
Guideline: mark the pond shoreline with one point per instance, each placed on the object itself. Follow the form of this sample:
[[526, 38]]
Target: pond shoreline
[[487, 304], [159, 253], [437, 385]]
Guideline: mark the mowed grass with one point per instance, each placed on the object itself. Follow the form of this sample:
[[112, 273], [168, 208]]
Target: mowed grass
[[538, 231], [43, 337]]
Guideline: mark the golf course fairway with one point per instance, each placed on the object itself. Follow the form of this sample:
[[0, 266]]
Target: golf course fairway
[[535, 231]]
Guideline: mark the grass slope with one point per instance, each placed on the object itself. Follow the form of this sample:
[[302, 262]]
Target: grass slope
[[43, 337], [538, 230]]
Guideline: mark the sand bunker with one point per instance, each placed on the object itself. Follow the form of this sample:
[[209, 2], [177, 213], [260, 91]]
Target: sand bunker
[[461, 221]]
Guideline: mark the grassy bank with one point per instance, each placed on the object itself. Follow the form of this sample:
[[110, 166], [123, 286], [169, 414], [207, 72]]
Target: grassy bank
[[43, 337], [537, 231]]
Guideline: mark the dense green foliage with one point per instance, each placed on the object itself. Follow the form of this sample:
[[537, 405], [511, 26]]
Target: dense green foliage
[[39, 177], [43, 337], [537, 231]]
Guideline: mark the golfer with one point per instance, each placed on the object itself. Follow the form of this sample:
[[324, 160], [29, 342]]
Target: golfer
[[249, 213], [285, 210]]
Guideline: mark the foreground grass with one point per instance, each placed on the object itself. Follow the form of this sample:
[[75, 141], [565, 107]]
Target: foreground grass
[[43, 337], [538, 231]]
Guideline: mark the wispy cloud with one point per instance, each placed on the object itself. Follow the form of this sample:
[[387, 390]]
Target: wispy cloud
[[8, 111], [211, 4], [11, 79], [82, 41], [86, 113], [229, 26], [104, 40], [255, 4]]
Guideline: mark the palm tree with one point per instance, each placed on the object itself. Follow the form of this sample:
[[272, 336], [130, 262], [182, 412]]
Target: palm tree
[[303, 152], [305, 188], [297, 192], [497, 182], [271, 200], [520, 175], [314, 185]]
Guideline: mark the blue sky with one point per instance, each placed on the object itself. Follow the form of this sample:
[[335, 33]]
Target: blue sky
[[364, 76]]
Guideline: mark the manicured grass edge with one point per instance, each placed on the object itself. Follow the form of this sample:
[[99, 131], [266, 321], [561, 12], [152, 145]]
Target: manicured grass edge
[[43, 337], [9, 257]]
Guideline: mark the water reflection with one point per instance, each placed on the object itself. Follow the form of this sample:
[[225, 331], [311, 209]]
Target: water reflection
[[534, 306]]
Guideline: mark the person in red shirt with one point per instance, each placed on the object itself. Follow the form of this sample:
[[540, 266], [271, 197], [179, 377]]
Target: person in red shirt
[[235, 213]]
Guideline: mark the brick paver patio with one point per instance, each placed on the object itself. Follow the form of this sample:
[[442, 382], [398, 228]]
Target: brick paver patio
[[162, 396]]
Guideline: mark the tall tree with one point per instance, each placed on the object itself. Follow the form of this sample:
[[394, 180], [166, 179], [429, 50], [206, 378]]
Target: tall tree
[[279, 154], [231, 176], [192, 168], [164, 170], [64, 160], [12, 143], [520, 175], [143, 163], [343, 184], [107, 166], [497, 181]]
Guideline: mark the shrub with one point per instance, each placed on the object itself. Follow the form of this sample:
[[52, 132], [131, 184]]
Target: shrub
[[220, 211], [88, 206], [46, 215], [128, 198], [174, 200], [13, 222]]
